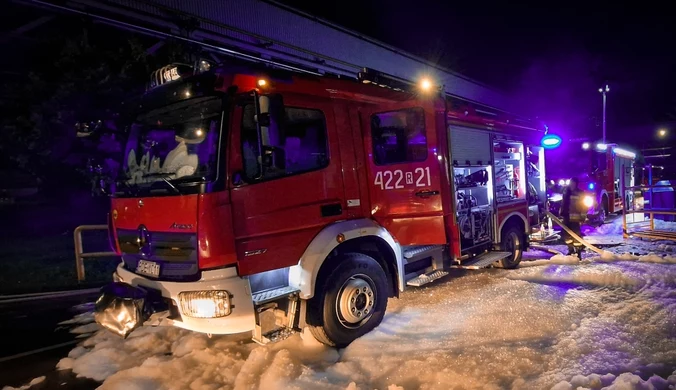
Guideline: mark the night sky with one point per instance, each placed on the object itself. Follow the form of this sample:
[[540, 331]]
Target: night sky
[[554, 56], [551, 57]]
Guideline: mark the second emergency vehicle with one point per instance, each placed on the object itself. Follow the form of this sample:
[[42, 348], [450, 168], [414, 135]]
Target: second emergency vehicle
[[599, 167]]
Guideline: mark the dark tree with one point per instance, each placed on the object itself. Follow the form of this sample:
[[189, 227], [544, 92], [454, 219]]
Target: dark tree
[[75, 71]]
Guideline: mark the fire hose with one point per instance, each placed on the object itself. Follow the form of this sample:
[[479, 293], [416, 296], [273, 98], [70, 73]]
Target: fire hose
[[573, 234]]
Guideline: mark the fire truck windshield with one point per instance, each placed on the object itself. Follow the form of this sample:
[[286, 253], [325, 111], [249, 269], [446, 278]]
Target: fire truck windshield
[[175, 143], [569, 165], [574, 161]]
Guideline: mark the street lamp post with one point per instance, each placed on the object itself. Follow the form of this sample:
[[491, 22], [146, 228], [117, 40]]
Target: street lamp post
[[603, 91]]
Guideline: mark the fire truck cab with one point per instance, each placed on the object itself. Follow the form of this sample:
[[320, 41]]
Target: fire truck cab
[[599, 169], [253, 199]]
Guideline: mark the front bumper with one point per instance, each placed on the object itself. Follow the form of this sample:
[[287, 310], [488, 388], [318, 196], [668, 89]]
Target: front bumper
[[241, 318]]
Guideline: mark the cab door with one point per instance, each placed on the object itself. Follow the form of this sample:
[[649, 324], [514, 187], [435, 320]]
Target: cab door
[[276, 216], [404, 171]]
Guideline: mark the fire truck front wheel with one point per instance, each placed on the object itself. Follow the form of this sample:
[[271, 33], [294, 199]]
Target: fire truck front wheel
[[349, 302]]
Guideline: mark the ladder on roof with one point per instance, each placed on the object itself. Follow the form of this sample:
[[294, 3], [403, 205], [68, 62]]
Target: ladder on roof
[[295, 41]]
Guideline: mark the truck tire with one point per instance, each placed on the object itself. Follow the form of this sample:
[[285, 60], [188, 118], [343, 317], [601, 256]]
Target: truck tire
[[603, 213], [349, 302], [512, 241]]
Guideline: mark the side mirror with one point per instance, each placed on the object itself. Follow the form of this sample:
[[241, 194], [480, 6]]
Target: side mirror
[[95, 128], [87, 129], [270, 126]]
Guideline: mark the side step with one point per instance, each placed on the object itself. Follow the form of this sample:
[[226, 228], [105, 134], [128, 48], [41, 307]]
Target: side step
[[482, 261], [426, 278], [420, 251], [275, 313], [263, 297]]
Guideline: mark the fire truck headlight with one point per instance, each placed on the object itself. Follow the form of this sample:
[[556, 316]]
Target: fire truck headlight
[[205, 304], [588, 201]]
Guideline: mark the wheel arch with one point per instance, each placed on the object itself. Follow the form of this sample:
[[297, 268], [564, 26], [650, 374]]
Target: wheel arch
[[513, 218], [362, 236]]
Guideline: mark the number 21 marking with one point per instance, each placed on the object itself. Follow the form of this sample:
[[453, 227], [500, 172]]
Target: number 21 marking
[[421, 178]]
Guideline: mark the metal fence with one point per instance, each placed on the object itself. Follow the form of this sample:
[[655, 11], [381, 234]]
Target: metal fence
[[638, 217], [81, 255]]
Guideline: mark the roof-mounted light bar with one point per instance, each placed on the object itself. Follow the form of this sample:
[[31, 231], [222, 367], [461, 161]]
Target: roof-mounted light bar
[[176, 71], [624, 153], [616, 150], [370, 76]]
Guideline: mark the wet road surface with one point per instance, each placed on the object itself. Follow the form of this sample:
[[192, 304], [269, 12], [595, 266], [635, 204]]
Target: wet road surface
[[32, 342]]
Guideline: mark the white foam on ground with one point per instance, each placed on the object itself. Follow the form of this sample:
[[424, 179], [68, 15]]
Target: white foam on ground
[[83, 318], [88, 328], [562, 324], [556, 259]]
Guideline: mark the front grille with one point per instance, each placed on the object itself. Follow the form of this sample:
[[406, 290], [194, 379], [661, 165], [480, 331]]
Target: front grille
[[176, 253]]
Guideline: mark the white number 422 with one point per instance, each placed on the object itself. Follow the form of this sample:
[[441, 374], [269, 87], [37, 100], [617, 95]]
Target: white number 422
[[391, 180]]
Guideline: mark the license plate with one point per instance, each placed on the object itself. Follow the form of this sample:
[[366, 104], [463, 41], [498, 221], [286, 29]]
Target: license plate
[[149, 268]]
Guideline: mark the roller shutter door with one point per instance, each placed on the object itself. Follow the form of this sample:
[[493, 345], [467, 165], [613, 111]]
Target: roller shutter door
[[470, 144]]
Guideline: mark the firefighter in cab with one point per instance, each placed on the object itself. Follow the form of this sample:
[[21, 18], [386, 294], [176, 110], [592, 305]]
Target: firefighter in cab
[[573, 214]]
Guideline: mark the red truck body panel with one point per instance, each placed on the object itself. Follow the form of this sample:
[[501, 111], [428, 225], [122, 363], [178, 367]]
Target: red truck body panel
[[267, 225]]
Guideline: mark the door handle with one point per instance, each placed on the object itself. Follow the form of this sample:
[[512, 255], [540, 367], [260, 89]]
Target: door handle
[[426, 194]]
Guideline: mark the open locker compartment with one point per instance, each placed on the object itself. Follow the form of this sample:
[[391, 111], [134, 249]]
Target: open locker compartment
[[536, 193], [474, 204], [509, 165]]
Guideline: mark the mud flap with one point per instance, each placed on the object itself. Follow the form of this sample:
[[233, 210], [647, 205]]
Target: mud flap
[[122, 308]]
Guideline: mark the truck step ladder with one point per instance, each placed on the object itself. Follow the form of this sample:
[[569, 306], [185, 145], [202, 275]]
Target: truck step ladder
[[426, 278], [417, 252], [264, 297], [482, 261], [275, 336], [275, 323]]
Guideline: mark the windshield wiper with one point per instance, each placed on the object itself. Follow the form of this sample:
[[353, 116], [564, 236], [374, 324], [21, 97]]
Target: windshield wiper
[[173, 184], [163, 177], [173, 187]]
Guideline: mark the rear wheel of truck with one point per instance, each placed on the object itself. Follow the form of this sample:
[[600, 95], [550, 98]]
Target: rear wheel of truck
[[512, 241], [349, 301]]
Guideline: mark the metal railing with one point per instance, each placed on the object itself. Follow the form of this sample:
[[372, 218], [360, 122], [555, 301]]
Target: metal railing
[[634, 221], [80, 254]]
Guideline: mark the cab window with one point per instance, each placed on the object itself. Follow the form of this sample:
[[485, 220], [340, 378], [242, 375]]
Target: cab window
[[399, 136], [300, 143]]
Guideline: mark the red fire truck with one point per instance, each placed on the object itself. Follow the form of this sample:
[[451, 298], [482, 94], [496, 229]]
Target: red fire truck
[[263, 200], [598, 166]]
